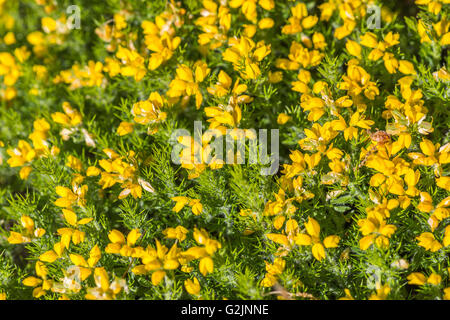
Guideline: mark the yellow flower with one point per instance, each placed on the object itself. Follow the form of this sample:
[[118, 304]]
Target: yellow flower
[[283, 118], [132, 63], [223, 86], [417, 278], [119, 171], [122, 246], [181, 201], [266, 23], [357, 81], [147, 112], [432, 6], [406, 67], [22, 54], [70, 118], [275, 77], [9, 69], [215, 21], [348, 295], [186, 82], [299, 20], [427, 240], [72, 218], [158, 261], [299, 56], [120, 21], [315, 106], [248, 7], [92, 171], [319, 41], [345, 30], [390, 62], [246, 56], [125, 128], [273, 272], [278, 238], [202, 237], [104, 289], [434, 279], [9, 38], [48, 24], [192, 286], [29, 232], [318, 137], [432, 155], [178, 233], [375, 230], [370, 40], [22, 154], [443, 182], [74, 163], [353, 48], [447, 294], [42, 284], [197, 207], [160, 39], [85, 267], [204, 252], [230, 115], [382, 293], [313, 238], [71, 197]]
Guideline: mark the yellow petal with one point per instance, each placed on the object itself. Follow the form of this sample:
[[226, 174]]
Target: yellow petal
[[278, 238], [434, 279], [206, 266], [303, 239], [78, 260], [133, 236], [158, 276], [366, 242], [125, 128], [416, 278], [70, 217], [318, 251], [427, 147], [192, 286], [49, 256], [31, 281], [92, 171], [116, 236], [331, 241], [312, 227], [85, 221]]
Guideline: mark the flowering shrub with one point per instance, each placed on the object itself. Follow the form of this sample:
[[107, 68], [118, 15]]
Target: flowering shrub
[[97, 203]]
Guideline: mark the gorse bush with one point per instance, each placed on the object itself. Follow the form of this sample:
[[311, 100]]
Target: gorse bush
[[97, 202]]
